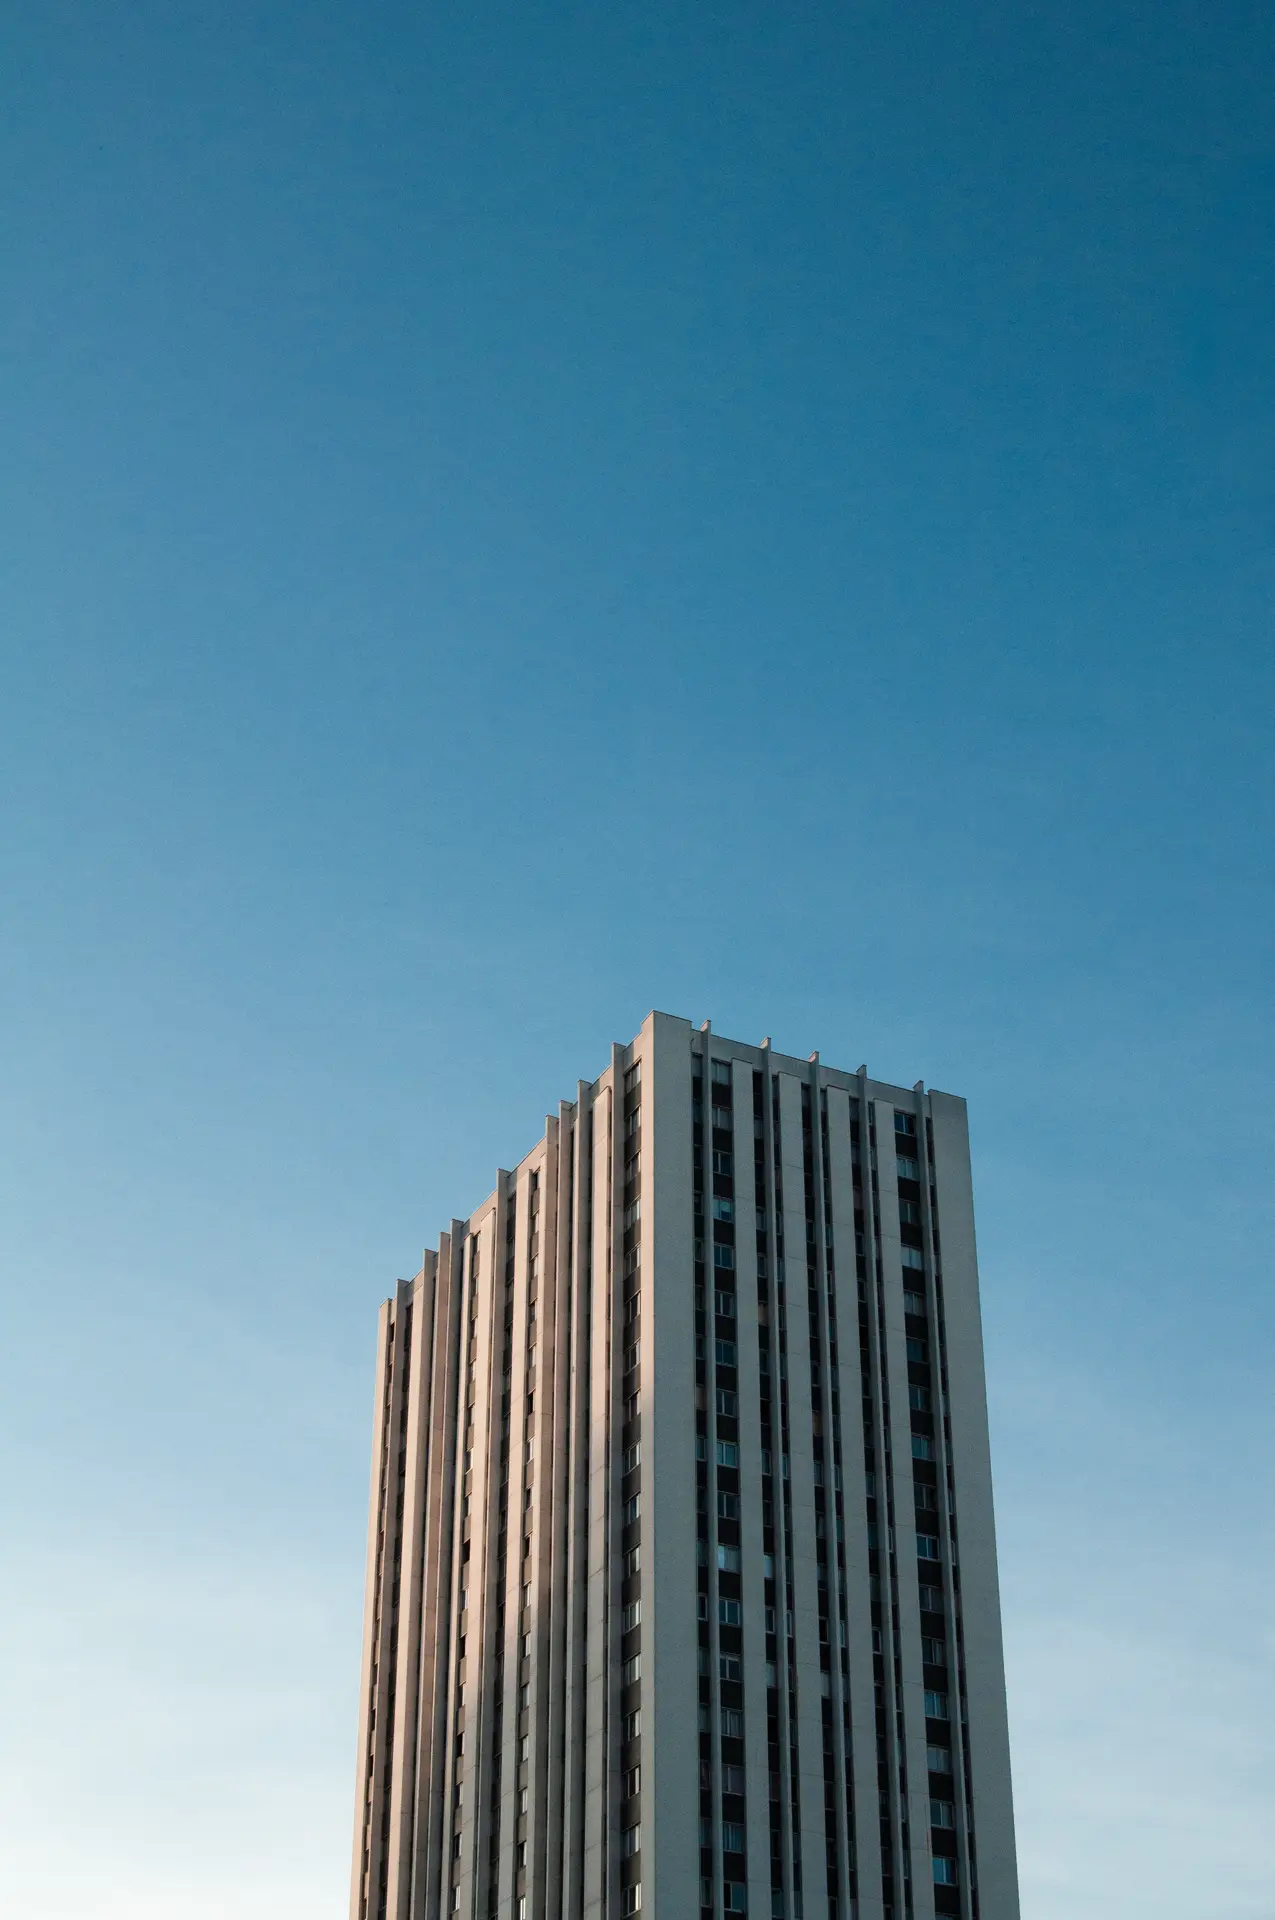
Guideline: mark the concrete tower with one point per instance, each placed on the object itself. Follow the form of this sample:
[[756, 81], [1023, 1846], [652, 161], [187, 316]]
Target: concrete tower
[[681, 1584]]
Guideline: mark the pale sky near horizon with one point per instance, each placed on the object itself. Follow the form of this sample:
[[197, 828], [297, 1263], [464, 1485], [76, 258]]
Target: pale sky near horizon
[[516, 515]]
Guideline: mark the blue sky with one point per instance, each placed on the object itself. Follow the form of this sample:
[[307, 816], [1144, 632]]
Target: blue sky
[[516, 515]]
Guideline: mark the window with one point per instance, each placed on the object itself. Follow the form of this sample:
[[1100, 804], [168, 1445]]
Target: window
[[723, 1163], [633, 1726], [727, 1402], [633, 1509], [916, 1352], [732, 1837], [633, 1899], [728, 1506], [912, 1257], [919, 1399], [730, 1613], [909, 1213], [732, 1777], [925, 1499], [914, 1303], [722, 1118], [934, 1652], [702, 1606], [944, 1871], [724, 1257], [908, 1169], [721, 1073], [631, 1617], [734, 1896], [935, 1705], [723, 1209], [731, 1668], [725, 1351], [632, 1670], [938, 1759], [724, 1303], [732, 1723], [904, 1123], [633, 1077], [927, 1547], [631, 1842], [922, 1447], [632, 1458], [728, 1559], [942, 1813], [931, 1599], [727, 1453]]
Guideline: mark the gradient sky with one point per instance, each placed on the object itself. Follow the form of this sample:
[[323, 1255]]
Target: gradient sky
[[517, 514]]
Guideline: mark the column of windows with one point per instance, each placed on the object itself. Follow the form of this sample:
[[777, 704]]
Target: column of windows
[[882, 1561], [829, 1511], [947, 1754], [630, 1336], [497, 1587], [705, 1488], [460, 1616], [785, 1723], [723, 1805], [768, 1393]]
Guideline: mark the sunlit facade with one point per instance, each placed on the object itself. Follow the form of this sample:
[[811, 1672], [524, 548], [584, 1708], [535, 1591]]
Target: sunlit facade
[[681, 1591]]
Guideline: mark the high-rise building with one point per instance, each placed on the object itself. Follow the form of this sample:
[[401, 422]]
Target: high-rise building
[[681, 1581]]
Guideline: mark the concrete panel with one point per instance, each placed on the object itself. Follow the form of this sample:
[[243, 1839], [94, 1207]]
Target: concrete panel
[[988, 1731], [597, 1696], [376, 1519], [670, 1804]]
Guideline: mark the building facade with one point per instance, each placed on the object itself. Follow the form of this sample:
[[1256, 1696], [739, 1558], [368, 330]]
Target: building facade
[[681, 1586]]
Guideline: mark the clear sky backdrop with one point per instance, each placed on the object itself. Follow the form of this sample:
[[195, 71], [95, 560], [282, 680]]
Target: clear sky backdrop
[[514, 514]]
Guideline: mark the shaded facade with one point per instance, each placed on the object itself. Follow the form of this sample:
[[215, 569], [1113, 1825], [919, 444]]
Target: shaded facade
[[681, 1588]]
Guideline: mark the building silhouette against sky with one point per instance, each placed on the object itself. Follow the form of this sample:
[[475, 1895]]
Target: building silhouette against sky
[[681, 1587]]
